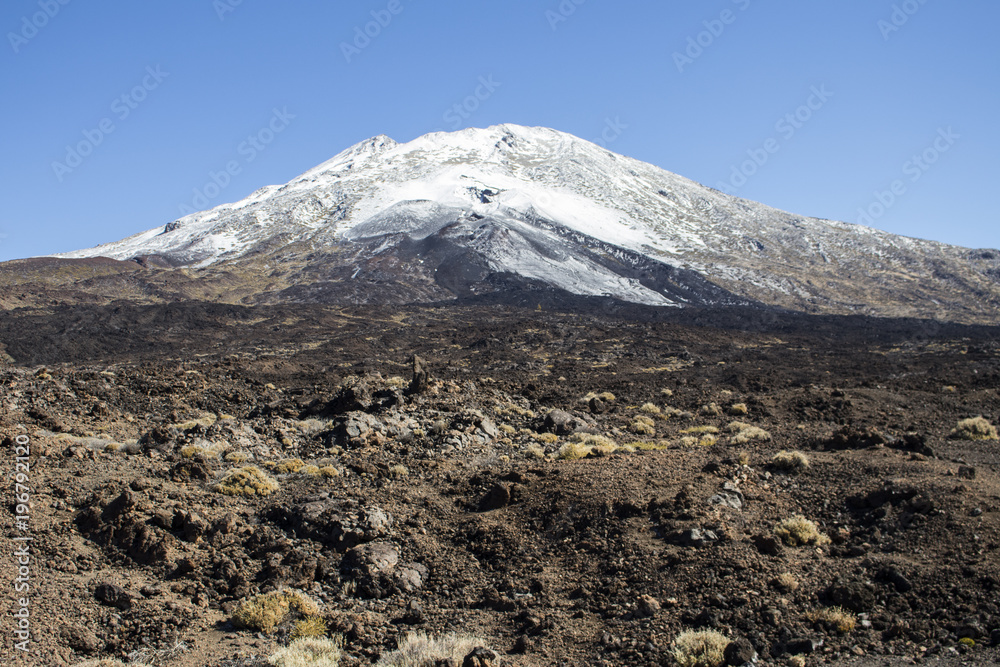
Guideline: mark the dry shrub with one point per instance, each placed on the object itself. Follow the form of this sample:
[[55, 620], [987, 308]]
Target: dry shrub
[[311, 627], [790, 461], [700, 648], [747, 433], [976, 428], [786, 582], [834, 619], [798, 531], [247, 481], [649, 409], [737, 409], [712, 410], [582, 445], [421, 650], [698, 430], [267, 611], [288, 466], [308, 652]]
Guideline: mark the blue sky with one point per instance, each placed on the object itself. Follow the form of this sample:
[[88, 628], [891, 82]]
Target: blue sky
[[118, 115]]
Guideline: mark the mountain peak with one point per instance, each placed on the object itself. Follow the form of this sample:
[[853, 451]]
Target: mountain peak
[[456, 214]]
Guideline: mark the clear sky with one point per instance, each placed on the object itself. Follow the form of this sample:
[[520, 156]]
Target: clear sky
[[116, 115]]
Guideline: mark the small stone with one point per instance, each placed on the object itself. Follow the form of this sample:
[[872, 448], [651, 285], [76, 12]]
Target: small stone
[[113, 596], [768, 545], [80, 639], [740, 652], [771, 616], [481, 657], [648, 606], [803, 645], [497, 498], [967, 472]]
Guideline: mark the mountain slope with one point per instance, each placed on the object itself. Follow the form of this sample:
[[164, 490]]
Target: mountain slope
[[462, 214]]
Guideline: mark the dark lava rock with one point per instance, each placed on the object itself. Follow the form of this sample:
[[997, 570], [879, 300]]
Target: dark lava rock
[[190, 470], [560, 422], [497, 497], [727, 498], [326, 521], [851, 438], [80, 639], [851, 595], [355, 396], [966, 472], [740, 652], [693, 537], [421, 377], [597, 406], [481, 657], [896, 578], [113, 596], [802, 645], [768, 545], [370, 566], [354, 429]]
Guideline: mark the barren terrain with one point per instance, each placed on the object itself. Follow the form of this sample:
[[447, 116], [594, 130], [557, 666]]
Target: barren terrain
[[459, 501]]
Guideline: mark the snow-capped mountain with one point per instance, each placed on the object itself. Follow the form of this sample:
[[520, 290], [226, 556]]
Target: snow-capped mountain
[[504, 208]]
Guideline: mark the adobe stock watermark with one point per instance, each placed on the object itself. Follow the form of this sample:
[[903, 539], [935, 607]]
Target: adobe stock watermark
[[247, 150], [458, 113], [901, 15], [914, 169], [22, 564], [613, 129], [121, 107], [787, 126], [31, 25], [364, 35], [714, 28], [562, 13], [223, 7]]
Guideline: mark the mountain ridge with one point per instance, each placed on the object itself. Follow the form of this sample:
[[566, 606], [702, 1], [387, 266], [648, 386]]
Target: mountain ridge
[[552, 209]]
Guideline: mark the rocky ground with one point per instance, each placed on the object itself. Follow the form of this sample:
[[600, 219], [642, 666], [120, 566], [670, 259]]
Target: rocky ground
[[572, 489]]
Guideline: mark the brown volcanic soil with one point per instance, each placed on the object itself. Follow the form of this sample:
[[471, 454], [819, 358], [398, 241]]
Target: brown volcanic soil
[[550, 561]]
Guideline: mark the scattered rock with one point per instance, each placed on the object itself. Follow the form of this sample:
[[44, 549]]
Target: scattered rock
[[851, 595], [481, 657], [80, 639], [421, 377], [496, 498], [803, 645], [648, 606], [111, 595], [693, 537], [768, 545], [740, 652]]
